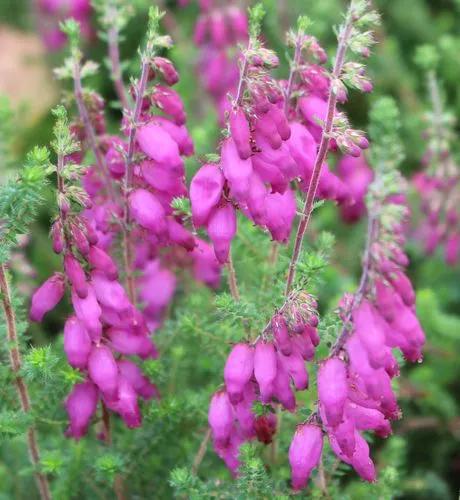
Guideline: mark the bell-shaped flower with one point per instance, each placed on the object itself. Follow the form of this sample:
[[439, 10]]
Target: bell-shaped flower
[[332, 389], [220, 417], [103, 370], [102, 261], [305, 453], [236, 170], [137, 379], [77, 343], [222, 230], [47, 297], [158, 145], [88, 311], [205, 192], [265, 369], [80, 406], [240, 132], [238, 371], [147, 211]]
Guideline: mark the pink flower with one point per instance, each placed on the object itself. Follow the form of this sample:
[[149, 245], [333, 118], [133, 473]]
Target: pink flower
[[103, 370], [265, 369], [76, 275], [205, 192], [158, 145], [47, 297], [239, 130], [332, 389], [101, 261], [135, 377], [88, 312], [220, 417], [238, 371], [222, 230], [147, 211], [236, 170], [77, 343], [81, 405], [305, 453]]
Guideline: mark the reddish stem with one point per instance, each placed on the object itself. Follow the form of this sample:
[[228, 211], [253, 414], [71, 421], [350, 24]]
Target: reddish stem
[[322, 152], [127, 246], [21, 387]]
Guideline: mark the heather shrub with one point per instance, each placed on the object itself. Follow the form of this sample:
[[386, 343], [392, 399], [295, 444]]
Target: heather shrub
[[229, 252]]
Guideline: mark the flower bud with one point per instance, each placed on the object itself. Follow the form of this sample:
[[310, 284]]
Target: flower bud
[[167, 70], [282, 387], [170, 103], [295, 366], [109, 293], [57, 237], [280, 214], [281, 334], [129, 344], [361, 460], [126, 404], [236, 170]]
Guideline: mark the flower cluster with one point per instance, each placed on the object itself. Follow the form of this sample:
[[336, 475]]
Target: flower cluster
[[128, 195], [266, 373], [51, 12], [354, 382], [218, 30], [307, 92], [105, 322]]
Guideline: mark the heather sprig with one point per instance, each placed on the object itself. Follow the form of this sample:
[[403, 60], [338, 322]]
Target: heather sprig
[[354, 381]]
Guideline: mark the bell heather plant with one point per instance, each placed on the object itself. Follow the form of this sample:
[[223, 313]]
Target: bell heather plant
[[157, 358]]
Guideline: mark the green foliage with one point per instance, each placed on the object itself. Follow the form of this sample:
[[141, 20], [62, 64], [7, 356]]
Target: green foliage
[[256, 16], [20, 198]]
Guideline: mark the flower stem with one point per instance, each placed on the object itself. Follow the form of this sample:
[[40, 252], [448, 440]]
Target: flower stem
[[127, 244], [372, 230], [201, 452], [89, 130], [293, 71], [115, 66], [232, 281], [322, 151], [21, 387]]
